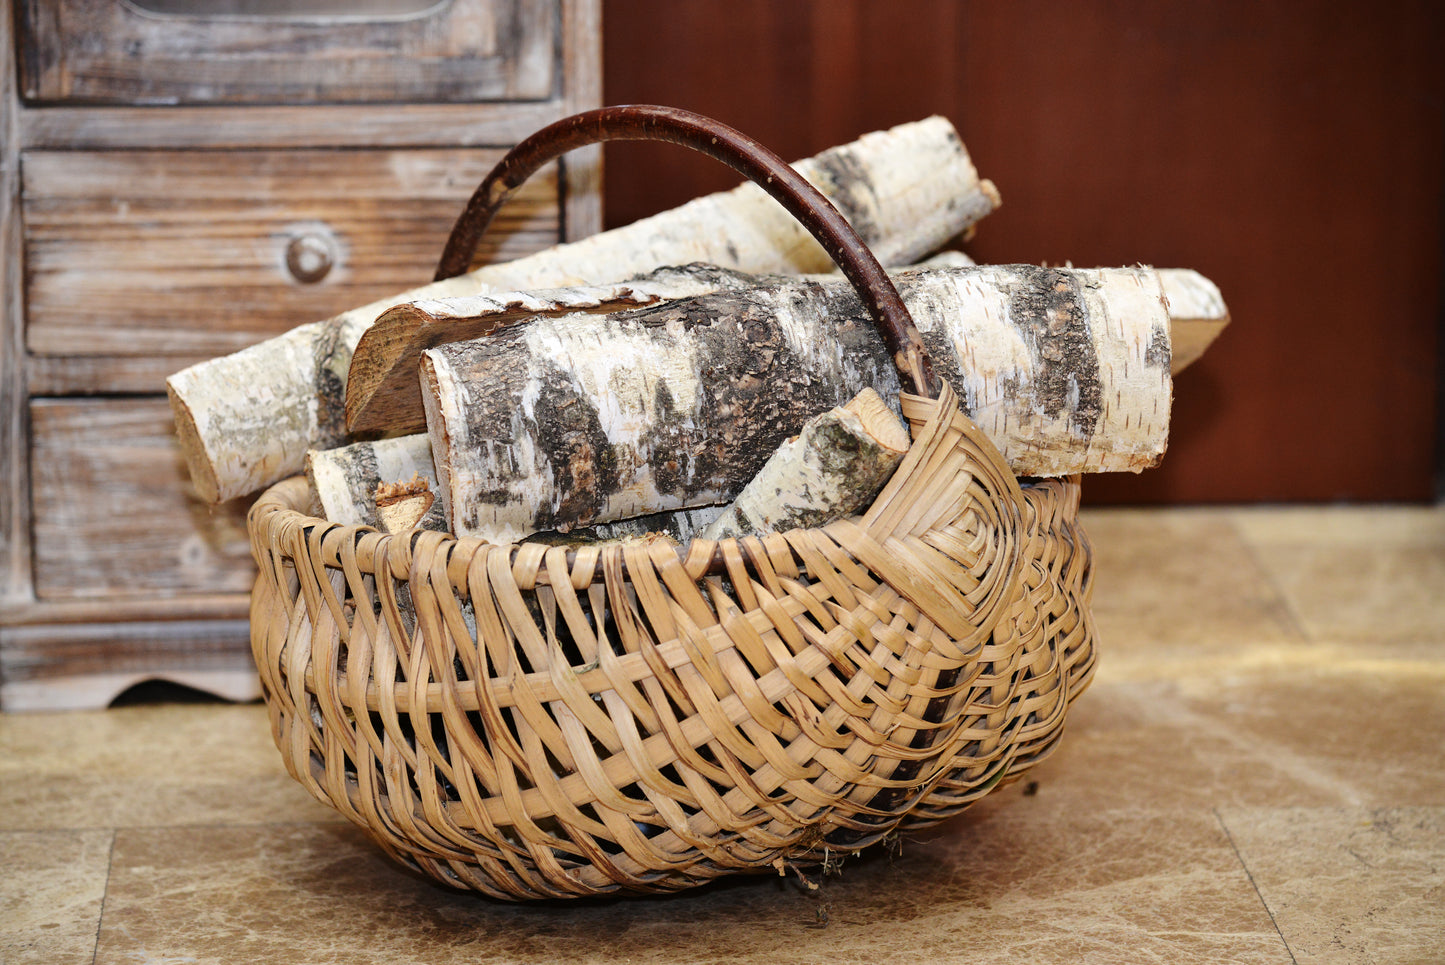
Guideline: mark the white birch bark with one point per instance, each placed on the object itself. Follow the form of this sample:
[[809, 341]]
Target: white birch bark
[[345, 483], [587, 419], [833, 468], [382, 392], [247, 420]]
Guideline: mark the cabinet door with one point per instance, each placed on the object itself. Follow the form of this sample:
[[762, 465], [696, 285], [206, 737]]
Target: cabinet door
[[114, 512], [286, 51], [157, 254]]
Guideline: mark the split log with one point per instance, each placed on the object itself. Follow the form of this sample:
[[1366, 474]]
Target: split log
[[382, 391], [389, 484], [1197, 315], [246, 420], [833, 468], [586, 419]]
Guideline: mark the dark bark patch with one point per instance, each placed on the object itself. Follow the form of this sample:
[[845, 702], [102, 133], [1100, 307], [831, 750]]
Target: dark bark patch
[[846, 183], [330, 388], [1158, 354], [1047, 306], [584, 466]]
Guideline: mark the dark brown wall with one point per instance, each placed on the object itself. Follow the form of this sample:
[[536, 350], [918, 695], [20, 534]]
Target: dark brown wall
[[1293, 152]]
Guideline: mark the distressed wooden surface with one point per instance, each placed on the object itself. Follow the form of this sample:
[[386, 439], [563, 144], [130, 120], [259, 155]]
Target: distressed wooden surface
[[581, 91], [284, 126], [187, 249], [87, 665], [144, 52], [113, 513], [15, 583]]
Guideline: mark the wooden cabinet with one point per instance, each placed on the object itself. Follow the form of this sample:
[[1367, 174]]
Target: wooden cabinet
[[180, 179]]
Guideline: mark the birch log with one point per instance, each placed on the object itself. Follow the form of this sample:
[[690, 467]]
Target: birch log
[[1197, 315], [247, 419], [382, 392], [586, 419], [347, 481], [832, 469]]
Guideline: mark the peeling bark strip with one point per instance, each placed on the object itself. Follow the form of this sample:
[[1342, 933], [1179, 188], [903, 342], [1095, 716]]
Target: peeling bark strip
[[345, 482], [586, 419], [246, 420], [833, 468]]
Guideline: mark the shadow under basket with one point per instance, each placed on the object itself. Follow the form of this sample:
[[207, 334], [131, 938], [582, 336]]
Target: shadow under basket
[[536, 721]]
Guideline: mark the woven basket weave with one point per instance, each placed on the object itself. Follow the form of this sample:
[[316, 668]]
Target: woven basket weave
[[536, 721]]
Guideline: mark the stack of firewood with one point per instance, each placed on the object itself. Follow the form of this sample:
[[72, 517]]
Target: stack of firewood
[[699, 373]]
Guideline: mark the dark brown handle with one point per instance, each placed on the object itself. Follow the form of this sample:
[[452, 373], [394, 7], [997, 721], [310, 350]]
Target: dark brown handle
[[640, 122]]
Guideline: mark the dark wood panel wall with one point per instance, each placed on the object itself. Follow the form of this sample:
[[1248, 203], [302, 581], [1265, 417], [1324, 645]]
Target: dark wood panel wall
[[1293, 152]]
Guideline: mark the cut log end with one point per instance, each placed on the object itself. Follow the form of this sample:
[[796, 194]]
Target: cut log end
[[202, 468]]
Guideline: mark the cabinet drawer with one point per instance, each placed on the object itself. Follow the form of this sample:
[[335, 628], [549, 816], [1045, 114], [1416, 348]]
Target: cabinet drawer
[[201, 253], [286, 51], [113, 508]]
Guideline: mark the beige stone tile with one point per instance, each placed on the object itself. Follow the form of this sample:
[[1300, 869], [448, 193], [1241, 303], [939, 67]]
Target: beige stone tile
[[139, 766], [1370, 594], [1368, 574], [1350, 885], [1157, 886], [1170, 585], [51, 887], [1381, 526], [1305, 726]]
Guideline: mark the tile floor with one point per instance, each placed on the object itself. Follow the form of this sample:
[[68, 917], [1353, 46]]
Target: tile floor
[[1256, 775]]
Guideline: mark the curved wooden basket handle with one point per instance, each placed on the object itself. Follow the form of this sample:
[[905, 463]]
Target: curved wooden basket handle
[[642, 122]]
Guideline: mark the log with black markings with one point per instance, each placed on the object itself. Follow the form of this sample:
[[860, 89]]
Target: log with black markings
[[584, 419], [247, 420]]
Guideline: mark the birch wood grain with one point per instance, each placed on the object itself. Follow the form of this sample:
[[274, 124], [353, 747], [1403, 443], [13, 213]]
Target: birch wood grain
[[102, 52]]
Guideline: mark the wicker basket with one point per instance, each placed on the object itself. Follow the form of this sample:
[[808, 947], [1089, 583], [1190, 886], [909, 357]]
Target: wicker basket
[[537, 721]]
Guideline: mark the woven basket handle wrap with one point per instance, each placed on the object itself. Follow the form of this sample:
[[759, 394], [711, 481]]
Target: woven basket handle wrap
[[640, 122]]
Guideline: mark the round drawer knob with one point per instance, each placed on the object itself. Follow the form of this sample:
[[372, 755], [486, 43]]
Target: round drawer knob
[[309, 257]]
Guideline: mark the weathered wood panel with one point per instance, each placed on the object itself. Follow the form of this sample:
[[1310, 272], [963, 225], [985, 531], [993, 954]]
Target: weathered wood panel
[[14, 493], [114, 511], [77, 666], [159, 253], [285, 126], [154, 52]]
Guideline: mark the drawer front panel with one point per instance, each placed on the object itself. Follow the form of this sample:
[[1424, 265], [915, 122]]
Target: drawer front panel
[[201, 253], [286, 51], [113, 507]]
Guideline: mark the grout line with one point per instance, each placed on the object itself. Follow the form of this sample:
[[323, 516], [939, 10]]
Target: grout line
[[1295, 619], [1253, 884], [105, 893]]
